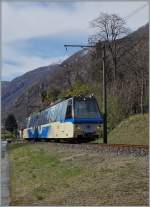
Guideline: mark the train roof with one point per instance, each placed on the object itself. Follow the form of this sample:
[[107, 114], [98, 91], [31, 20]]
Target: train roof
[[71, 97], [80, 97]]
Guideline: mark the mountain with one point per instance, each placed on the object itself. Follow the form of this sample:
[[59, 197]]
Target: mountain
[[19, 87], [22, 95], [4, 84]]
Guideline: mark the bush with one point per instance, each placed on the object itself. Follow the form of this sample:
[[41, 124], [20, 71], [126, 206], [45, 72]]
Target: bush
[[8, 135], [49, 96], [115, 112], [11, 124], [77, 89]]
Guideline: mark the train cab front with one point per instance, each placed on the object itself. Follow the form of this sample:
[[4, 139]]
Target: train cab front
[[87, 118], [89, 130]]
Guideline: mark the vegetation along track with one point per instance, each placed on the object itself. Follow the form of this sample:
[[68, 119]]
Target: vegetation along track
[[118, 149]]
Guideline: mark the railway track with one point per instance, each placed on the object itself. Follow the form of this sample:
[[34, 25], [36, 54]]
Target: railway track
[[117, 149]]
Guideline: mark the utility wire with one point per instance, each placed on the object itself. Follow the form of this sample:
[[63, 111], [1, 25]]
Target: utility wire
[[135, 11]]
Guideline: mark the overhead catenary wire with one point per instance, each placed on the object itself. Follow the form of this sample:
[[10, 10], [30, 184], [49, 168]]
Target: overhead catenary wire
[[135, 11]]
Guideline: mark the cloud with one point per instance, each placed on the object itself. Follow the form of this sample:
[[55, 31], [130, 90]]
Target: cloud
[[24, 64], [24, 21], [10, 71], [35, 22], [30, 19]]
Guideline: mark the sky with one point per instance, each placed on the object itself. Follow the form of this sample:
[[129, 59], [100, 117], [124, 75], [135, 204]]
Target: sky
[[34, 32]]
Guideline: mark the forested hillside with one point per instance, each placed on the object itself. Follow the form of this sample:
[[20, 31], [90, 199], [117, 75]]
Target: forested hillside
[[127, 93]]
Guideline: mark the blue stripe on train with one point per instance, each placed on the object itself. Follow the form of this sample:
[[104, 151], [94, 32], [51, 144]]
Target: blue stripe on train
[[32, 133], [44, 132], [35, 133], [85, 120]]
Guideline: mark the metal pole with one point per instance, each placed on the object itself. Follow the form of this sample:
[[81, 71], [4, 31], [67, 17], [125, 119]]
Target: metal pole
[[104, 84], [82, 46], [104, 96]]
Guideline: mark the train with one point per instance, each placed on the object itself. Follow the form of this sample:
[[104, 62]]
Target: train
[[76, 117]]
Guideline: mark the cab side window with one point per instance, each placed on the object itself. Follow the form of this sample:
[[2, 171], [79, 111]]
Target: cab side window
[[69, 110]]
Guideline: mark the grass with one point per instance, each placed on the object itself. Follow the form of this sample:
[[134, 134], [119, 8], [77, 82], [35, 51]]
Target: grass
[[46, 174], [133, 130]]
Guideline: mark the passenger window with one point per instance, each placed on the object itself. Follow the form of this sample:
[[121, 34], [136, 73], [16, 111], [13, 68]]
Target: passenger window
[[69, 110], [59, 113], [42, 118]]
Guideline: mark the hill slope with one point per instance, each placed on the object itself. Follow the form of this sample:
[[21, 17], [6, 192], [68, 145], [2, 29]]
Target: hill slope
[[133, 130]]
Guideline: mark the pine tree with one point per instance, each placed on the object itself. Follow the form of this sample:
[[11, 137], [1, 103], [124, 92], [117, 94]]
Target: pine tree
[[11, 123]]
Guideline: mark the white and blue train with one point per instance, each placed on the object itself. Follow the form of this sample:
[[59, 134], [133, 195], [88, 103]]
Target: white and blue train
[[75, 117]]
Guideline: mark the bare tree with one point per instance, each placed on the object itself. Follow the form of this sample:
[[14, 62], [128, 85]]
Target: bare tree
[[141, 74], [67, 74], [110, 27]]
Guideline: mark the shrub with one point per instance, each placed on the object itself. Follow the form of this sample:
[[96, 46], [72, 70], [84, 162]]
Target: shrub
[[115, 112], [77, 89], [11, 123]]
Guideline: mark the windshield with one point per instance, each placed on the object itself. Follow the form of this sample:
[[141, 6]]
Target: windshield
[[86, 109]]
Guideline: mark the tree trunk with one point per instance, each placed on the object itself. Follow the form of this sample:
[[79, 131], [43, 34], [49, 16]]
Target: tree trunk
[[142, 94], [115, 61]]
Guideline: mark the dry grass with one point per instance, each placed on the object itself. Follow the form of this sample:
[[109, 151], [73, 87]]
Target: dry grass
[[45, 174], [133, 130]]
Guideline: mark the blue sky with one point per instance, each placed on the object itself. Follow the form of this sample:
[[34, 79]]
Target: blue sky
[[43, 46], [34, 33]]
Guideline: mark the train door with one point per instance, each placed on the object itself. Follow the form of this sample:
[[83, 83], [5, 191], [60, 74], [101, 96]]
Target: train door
[[60, 124], [68, 126], [54, 126]]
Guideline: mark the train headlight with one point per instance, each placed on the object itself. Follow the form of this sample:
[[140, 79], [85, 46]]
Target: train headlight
[[78, 127], [98, 127]]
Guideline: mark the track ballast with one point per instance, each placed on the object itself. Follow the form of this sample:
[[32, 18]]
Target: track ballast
[[117, 149]]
